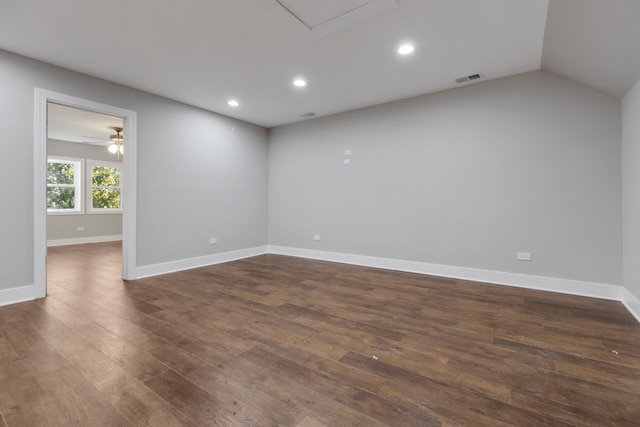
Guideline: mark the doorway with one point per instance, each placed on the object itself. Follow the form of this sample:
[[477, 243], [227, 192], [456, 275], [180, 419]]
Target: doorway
[[128, 190], [84, 203]]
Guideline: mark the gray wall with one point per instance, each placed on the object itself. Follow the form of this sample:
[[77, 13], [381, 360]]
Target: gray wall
[[197, 178], [95, 225], [183, 152], [631, 189], [465, 177]]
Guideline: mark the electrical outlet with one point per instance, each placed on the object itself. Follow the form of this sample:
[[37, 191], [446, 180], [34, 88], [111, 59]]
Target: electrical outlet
[[80, 228], [316, 237], [347, 161], [347, 152], [213, 241], [523, 256]]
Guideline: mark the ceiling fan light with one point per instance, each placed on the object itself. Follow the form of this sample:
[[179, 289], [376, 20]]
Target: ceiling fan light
[[116, 146]]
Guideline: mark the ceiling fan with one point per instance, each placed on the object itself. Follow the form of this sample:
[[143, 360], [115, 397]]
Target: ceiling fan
[[116, 142]]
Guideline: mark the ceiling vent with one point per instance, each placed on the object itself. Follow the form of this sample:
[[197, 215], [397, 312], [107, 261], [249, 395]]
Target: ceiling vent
[[470, 78], [307, 115]]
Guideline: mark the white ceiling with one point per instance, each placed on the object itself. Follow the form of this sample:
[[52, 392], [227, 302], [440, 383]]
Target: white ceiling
[[596, 42], [205, 52], [75, 125], [315, 13]]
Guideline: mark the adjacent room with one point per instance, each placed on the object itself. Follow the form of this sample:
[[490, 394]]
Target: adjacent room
[[307, 214]]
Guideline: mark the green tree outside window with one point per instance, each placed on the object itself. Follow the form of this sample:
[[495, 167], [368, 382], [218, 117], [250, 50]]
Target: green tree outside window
[[105, 189], [63, 184]]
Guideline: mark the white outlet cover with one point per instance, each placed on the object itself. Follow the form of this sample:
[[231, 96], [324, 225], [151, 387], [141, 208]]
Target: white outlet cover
[[523, 256], [316, 237], [213, 241], [347, 152], [347, 161]]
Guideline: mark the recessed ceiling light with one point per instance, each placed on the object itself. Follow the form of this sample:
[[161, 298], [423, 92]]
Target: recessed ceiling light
[[299, 82], [233, 103], [406, 49]]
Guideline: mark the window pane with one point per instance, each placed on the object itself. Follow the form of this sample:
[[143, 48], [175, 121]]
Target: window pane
[[104, 176], [106, 198], [60, 173], [61, 197]]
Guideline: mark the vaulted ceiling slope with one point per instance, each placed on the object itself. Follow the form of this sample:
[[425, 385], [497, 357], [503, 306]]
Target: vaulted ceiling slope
[[596, 42], [206, 53]]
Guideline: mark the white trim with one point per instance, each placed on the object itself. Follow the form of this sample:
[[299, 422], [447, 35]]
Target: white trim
[[202, 261], [631, 303], [129, 177], [39, 195], [41, 98], [83, 240], [78, 180], [565, 286], [16, 295]]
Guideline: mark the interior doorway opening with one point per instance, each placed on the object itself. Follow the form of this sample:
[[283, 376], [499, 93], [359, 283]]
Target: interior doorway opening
[[84, 181], [42, 192]]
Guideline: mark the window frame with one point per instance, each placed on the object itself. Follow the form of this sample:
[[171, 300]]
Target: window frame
[[90, 163], [77, 185]]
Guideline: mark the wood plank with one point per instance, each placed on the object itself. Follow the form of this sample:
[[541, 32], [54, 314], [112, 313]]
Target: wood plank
[[117, 387], [246, 407], [133, 360], [349, 395], [82, 403], [276, 340], [32, 349], [574, 401], [194, 402], [310, 422]]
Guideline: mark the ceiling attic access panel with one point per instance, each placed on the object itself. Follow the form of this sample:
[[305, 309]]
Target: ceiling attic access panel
[[314, 19]]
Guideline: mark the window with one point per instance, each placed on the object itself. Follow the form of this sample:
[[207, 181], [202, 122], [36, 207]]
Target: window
[[65, 186], [103, 187], [64, 192]]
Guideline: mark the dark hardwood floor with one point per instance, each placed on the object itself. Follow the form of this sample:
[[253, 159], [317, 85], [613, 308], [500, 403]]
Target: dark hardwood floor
[[280, 341]]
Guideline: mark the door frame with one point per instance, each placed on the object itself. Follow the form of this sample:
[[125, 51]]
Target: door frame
[[129, 172]]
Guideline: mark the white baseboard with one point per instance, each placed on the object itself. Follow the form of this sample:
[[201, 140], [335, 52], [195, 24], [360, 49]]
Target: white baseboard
[[631, 303], [16, 295], [83, 240], [203, 261], [565, 286]]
